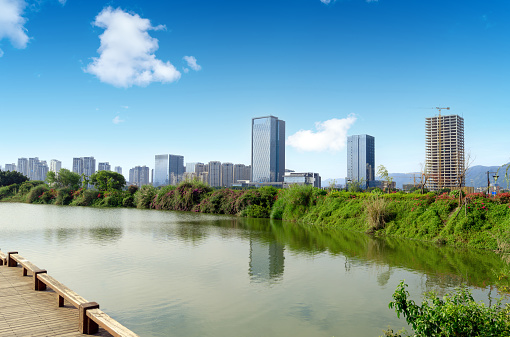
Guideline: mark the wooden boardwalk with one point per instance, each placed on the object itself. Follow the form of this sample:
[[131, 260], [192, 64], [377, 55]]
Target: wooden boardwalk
[[25, 312]]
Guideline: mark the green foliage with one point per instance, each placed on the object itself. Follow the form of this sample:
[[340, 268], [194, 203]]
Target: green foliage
[[84, 197], [8, 191], [453, 315], [64, 179], [35, 195], [26, 186], [11, 177], [108, 181], [132, 189], [128, 201], [64, 196], [144, 196], [377, 211]]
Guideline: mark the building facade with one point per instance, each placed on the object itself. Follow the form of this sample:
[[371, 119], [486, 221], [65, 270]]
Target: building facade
[[302, 178], [227, 174], [139, 176], [84, 165], [444, 151], [23, 166], [168, 170], [104, 166], [214, 176], [118, 169], [55, 165], [10, 167], [361, 159], [267, 149]]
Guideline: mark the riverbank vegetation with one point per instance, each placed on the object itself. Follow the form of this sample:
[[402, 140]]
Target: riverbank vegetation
[[474, 220]]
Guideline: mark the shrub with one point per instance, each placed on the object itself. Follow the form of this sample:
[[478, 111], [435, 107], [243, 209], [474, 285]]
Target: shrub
[[36, 193], [376, 211], [8, 191], [28, 185], [132, 189], [85, 198], [64, 196], [128, 201], [453, 315], [144, 196]]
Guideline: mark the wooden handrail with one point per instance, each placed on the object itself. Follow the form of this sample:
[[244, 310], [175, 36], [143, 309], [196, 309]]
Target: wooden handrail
[[90, 316]]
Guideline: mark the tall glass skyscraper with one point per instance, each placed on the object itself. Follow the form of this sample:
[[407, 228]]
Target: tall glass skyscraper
[[267, 149], [168, 169], [361, 158]]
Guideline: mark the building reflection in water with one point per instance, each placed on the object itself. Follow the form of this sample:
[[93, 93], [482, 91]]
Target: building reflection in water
[[266, 261]]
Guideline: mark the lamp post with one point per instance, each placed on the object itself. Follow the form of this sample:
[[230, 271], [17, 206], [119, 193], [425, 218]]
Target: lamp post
[[347, 184], [495, 176]]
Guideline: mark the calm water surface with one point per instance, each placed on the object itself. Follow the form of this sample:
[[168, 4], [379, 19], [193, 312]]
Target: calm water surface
[[184, 274]]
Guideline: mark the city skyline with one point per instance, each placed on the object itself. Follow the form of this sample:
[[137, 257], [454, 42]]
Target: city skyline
[[328, 68]]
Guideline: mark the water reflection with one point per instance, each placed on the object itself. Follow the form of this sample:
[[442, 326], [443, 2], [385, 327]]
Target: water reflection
[[266, 261]]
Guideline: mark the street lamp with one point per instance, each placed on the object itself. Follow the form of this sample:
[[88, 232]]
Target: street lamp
[[495, 176], [347, 184]]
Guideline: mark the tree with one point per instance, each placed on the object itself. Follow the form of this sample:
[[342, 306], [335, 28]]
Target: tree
[[424, 177], [108, 180], [11, 177], [383, 173], [64, 178]]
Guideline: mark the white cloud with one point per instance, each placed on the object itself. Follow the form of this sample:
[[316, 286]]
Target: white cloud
[[1, 53], [62, 2], [117, 120], [192, 62], [330, 135], [185, 70], [124, 106], [127, 51], [326, 1], [12, 23]]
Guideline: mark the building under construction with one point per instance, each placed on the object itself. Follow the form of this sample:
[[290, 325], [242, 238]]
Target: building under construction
[[444, 147]]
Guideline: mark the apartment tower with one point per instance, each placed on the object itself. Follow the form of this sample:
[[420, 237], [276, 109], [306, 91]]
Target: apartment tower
[[444, 151]]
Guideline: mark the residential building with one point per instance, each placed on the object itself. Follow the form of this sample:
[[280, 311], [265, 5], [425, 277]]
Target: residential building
[[139, 176], [104, 166], [78, 165], [199, 168], [10, 167], [84, 165], [55, 165], [304, 178], [267, 149], [227, 174], [23, 166], [33, 166], [41, 170], [214, 170], [241, 172], [118, 169], [190, 167], [168, 169], [361, 159], [444, 151]]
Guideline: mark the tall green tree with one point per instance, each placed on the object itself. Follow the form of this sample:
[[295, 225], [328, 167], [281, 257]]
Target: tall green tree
[[108, 180], [64, 178], [383, 173], [11, 177]]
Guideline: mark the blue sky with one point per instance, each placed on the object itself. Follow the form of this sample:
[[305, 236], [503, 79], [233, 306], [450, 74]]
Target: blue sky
[[125, 80]]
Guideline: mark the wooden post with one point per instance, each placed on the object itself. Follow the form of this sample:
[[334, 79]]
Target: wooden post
[[38, 284], [87, 326], [10, 261]]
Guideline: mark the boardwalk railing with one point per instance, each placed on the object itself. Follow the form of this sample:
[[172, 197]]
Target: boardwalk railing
[[90, 316]]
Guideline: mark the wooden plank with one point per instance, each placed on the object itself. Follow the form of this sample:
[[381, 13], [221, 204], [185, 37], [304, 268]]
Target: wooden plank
[[108, 323], [62, 290]]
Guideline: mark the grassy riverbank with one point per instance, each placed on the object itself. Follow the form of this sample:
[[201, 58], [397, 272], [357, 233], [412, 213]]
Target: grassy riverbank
[[481, 222]]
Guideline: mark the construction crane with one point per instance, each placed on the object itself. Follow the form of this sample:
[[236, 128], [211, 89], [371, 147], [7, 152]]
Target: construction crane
[[439, 146]]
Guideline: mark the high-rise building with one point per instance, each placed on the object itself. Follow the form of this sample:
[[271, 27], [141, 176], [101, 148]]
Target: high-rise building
[[33, 164], [302, 178], [41, 170], [104, 166], [199, 168], [267, 149], [190, 167], [214, 176], [55, 165], [444, 151], [118, 169], [23, 166], [10, 167], [241, 172], [361, 159], [84, 165], [227, 174], [168, 169], [139, 175]]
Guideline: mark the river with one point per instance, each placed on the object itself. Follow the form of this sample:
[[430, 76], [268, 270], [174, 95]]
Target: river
[[164, 273]]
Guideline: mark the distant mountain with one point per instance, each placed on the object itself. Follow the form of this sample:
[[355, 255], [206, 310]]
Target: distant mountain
[[476, 176]]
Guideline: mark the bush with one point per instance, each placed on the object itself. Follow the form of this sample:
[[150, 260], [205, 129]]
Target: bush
[[453, 315], [85, 198], [28, 185], [144, 196], [8, 191], [132, 189], [376, 211], [35, 194], [128, 201], [64, 196]]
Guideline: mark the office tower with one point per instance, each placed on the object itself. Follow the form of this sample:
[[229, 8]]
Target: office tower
[[55, 165], [104, 166], [23, 166], [168, 169], [214, 169], [227, 174], [10, 167], [118, 169], [267, 149], [139, 175], [444, 151], [361, 159]]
